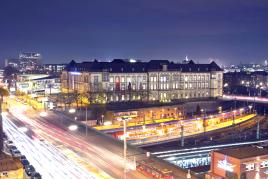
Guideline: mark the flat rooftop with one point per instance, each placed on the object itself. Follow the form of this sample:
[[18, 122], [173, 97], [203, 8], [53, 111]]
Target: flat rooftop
[[244, 152]]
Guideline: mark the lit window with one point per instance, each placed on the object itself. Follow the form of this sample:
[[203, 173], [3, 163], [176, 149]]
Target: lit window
[[250, 167], [264, 164], [111, 79]]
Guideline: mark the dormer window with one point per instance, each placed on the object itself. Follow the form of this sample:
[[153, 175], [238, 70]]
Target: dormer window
[[164, 67]]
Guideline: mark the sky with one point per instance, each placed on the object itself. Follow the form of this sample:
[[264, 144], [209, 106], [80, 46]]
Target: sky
[[227, 31]]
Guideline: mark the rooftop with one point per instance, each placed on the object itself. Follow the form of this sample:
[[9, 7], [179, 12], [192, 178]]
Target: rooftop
[[8, 162], [123, 66], [244, 152]]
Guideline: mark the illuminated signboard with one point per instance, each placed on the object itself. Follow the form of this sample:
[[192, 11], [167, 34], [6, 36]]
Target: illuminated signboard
[[75, 73], [128, 114], [223, 164]]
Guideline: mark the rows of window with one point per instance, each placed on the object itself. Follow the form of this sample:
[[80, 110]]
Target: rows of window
[[251, 166], [167, 86], [114, 98], [166, 78], [184, 95], [128, 79]]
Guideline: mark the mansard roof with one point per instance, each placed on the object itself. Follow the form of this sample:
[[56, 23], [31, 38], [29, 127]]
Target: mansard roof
[[124, 66]]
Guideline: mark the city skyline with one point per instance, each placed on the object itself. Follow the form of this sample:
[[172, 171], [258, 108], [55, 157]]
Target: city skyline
[[227, 32]]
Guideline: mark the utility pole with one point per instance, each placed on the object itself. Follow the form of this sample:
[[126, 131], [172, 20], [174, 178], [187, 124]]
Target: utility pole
[[182, 135], [258, 130], [125, 149], [86, 120], [1, 124]]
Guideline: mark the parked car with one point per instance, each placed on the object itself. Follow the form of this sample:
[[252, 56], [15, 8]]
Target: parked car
[[25, 163], [12, 148], [36, 175], [22, 157], [29, 170], [16, 153]]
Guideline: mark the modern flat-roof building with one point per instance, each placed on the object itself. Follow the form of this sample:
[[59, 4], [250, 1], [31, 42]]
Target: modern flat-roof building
[[162, 80], [239, 163], [54, 69], [38, 84], [28, 61]]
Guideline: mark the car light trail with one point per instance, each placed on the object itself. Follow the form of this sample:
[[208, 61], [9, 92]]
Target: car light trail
[[95, 159], [46, 158]]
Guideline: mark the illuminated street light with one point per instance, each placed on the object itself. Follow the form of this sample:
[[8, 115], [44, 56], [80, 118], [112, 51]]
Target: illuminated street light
[[72, 110], [107, 123], [73, 127], [43, 114], [125, 144], [4, 113]]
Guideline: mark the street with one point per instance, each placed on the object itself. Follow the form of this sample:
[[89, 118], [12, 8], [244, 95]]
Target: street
[[86, 152]]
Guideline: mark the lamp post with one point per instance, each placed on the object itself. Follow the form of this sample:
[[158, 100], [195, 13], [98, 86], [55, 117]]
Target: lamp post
[[102, 119], [125, 144], [226, 87], [86, 120], [204, 119], [182, 135], [258, 130], [1, 124], [234, 116]]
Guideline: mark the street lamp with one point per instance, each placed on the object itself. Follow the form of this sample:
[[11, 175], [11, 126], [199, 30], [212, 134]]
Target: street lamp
[[73, 127], [102, 119], [43, 114], [125, 144], [250, 107], [182, 134], [72, 110], [220, 109]]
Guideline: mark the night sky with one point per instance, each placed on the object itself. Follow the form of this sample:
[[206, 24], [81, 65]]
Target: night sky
[[230, 31]]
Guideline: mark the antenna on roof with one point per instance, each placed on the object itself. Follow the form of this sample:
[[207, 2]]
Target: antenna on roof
[[186, 58]]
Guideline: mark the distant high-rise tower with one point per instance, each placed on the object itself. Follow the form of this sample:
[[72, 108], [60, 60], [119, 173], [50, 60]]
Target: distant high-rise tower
[[29, 60]]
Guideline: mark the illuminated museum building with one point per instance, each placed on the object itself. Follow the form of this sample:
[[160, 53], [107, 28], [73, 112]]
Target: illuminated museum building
[[162, 80], [239, 163]]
